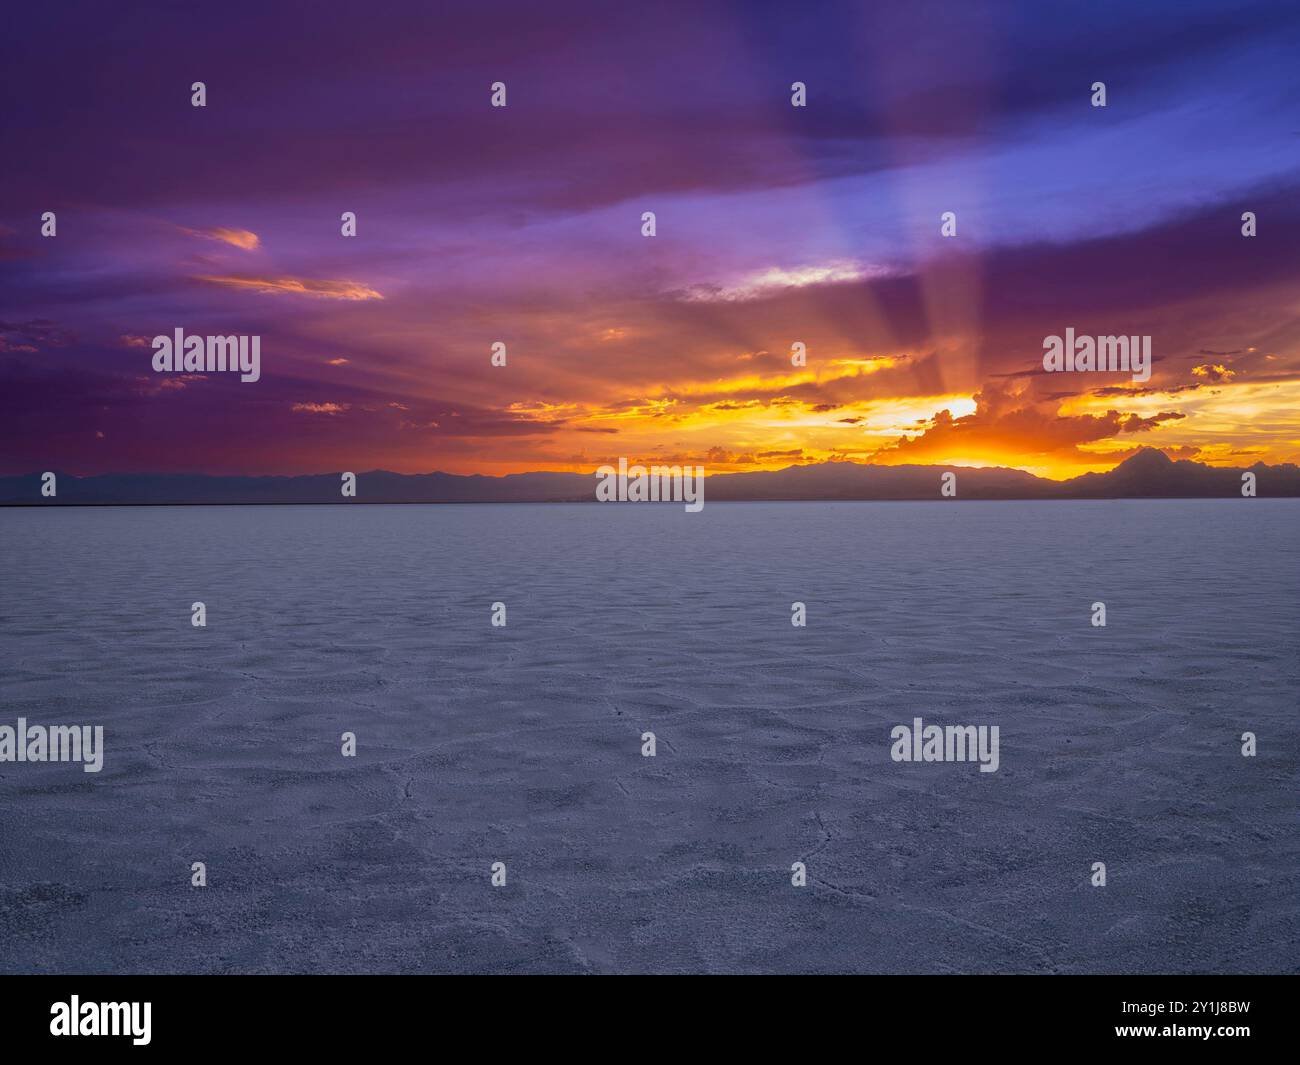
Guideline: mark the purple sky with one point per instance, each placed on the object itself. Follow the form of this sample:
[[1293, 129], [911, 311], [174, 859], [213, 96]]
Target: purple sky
[[522, 224]]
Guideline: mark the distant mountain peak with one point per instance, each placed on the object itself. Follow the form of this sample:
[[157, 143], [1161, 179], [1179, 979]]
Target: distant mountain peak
[[1147, 458], [1149, 473]]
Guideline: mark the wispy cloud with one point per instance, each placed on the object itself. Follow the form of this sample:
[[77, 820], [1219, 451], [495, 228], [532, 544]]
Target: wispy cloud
[[156, 386], [245, 239], [776, 279], [297, 286]]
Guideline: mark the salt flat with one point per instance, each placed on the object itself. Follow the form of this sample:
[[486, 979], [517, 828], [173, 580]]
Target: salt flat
[[523, 744]]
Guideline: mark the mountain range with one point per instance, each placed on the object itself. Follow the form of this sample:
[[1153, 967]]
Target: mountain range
[[1149, 474]]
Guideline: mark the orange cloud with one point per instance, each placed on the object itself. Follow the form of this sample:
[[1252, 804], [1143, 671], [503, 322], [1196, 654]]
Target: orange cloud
[[244, 239], [1214, 372], [334, 290], [319, 408], [1010, 426], [156, 386]]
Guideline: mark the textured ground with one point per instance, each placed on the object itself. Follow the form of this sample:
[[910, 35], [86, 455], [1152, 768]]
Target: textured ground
[[522, 744]]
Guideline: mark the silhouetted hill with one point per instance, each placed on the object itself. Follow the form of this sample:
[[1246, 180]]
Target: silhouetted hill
[[1150, 474], [851, 480]]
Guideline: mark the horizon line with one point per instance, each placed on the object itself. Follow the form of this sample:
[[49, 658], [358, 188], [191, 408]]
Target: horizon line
[[648, 464]]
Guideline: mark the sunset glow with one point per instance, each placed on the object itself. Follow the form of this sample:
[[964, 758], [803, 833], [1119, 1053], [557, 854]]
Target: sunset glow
[[776, 226]]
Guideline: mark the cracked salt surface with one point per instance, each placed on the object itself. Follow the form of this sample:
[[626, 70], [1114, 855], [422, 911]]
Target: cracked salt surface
[[522, 744]]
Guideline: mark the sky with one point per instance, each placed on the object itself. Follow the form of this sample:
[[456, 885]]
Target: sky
[[522, 224]]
